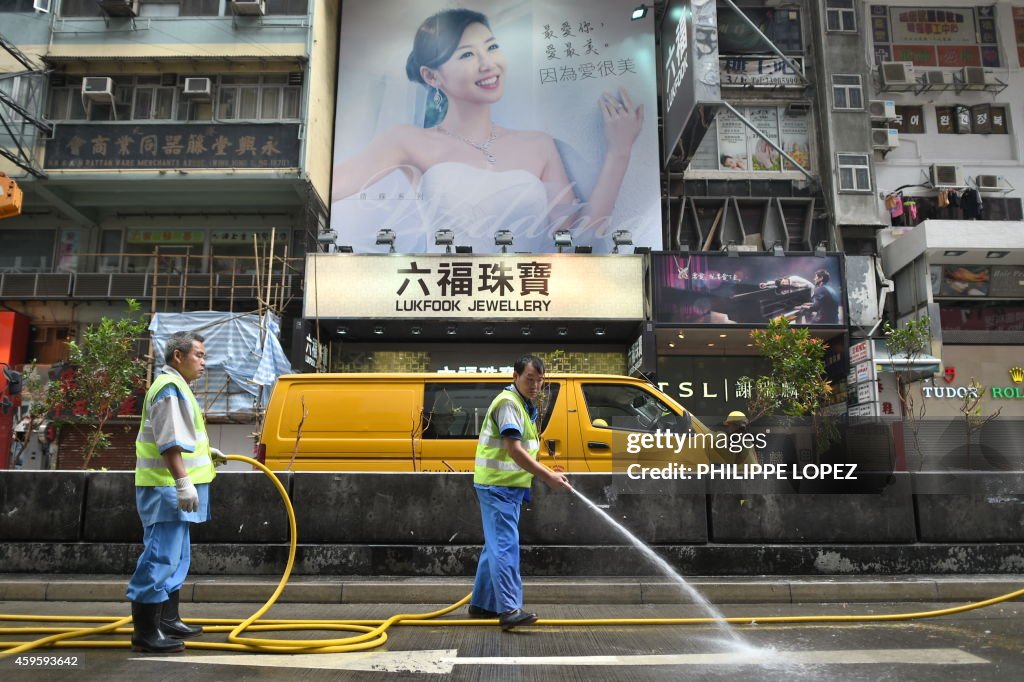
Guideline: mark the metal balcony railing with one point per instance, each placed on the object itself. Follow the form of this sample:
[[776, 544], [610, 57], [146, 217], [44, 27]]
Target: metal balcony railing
[[176, 277]]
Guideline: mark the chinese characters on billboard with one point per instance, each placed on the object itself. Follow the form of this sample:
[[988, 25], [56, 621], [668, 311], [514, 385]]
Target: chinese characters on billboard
[[449, 286], [721, 290], [949, 37], [527, 116], [172, 146]]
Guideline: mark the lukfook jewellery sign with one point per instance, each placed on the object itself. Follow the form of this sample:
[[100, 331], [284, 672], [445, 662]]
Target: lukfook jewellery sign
[[420, 286]]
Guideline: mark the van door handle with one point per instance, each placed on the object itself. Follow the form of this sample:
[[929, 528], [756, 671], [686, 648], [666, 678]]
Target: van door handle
[[552, 448], [596, 445]]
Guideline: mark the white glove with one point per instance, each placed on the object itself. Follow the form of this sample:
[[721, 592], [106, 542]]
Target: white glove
[[218, 457], [188, 497]]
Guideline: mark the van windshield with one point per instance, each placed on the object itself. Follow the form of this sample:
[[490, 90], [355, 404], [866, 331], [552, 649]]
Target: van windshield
[[631, 408], [455, 410]]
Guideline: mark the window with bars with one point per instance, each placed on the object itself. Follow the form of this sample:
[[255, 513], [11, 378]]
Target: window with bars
[[169, 8], [847, 92], [840, 16], [152, 98], [854, 172]]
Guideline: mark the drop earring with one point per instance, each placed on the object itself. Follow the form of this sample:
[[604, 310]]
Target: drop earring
[[438, 98]]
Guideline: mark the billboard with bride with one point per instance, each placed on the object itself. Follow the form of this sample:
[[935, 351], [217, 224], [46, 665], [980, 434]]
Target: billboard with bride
[[523, 115]]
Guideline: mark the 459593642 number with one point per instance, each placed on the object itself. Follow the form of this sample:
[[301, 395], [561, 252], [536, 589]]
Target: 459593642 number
[[46, 661]]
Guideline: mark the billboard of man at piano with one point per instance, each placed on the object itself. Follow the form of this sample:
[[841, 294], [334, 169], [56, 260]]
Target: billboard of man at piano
[[754, 289]]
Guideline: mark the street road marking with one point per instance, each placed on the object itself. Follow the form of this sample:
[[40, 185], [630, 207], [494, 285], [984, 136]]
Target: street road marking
[[436, 661], [762, 657], [442, 661]]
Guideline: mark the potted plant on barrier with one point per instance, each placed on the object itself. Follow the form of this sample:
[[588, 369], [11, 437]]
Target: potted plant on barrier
[[909, 343], [796, 385], [106, 373]]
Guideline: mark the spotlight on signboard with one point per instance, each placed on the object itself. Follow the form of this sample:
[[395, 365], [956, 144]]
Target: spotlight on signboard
[[621, 238], [639, 12], [386, 237], [444, 238], [504, 239], [563, 239]]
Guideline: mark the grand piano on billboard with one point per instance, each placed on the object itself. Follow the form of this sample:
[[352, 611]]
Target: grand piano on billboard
[[749, 289]]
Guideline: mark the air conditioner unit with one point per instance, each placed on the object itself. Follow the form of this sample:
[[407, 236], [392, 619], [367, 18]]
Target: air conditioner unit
[[882, 109], [197, 88], [120, 8], [972, 75], [947, 175], [249, 7], [987, 182], [885, 138], [896, 73], [937, 78], [98, 88]]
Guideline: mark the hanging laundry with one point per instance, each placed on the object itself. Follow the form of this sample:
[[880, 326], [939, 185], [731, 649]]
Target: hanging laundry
[[910, 210], [971, 202], [943, 198], [895, 206]]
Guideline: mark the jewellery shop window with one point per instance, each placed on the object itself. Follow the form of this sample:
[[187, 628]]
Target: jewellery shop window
[[234, 251]]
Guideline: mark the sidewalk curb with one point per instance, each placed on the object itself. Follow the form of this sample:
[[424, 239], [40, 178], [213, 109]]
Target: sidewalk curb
[[386, 590]]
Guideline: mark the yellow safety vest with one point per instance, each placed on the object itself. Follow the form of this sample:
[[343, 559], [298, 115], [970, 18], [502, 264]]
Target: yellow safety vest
[[150, 467], [494, 466]]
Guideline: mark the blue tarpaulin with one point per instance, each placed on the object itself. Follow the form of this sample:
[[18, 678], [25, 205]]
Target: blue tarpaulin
[[238, 365]]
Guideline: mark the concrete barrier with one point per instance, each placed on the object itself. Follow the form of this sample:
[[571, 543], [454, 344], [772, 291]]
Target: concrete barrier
[[428, 524]]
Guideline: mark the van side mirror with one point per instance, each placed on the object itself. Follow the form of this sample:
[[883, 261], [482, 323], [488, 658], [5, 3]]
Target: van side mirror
[[600, 423]]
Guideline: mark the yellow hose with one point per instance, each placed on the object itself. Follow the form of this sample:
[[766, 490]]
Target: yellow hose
[[372, 633]]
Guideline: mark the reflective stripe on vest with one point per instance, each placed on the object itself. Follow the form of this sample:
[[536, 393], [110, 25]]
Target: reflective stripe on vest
[[150, 467], [494, 466]]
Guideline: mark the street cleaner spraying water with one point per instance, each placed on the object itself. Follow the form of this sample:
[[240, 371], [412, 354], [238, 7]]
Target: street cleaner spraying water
[[506, 463]]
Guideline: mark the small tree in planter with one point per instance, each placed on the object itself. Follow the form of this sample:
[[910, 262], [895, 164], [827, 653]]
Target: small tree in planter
[[107, 372], [797, 385], [975, 418], [910, 342]]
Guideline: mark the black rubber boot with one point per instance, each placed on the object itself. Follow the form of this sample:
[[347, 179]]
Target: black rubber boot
[[147, 636], [171, 623]]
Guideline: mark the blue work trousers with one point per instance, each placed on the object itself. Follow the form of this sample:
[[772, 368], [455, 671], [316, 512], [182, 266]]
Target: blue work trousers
[[498, 586], [164, 563]]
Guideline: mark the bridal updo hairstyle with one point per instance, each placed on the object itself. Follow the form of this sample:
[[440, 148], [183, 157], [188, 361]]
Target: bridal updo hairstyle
[[437, 38]]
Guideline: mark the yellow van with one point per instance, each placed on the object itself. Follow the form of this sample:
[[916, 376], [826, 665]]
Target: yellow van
[[431, 422]]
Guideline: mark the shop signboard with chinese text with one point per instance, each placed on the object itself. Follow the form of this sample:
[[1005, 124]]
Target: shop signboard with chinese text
[[167, 146], [693, 92], [742, 71], [455, 286]]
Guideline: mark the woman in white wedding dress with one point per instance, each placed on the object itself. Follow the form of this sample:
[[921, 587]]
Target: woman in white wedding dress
[[474, 176]]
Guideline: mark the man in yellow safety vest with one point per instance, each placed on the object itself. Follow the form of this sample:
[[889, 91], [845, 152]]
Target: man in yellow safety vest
[[506, 462], [174, 465]]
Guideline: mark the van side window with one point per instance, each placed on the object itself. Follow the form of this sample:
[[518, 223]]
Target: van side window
[[454, 410], [631, 408]]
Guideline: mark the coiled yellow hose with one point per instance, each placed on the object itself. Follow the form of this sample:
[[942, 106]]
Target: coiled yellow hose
[[372, 633]]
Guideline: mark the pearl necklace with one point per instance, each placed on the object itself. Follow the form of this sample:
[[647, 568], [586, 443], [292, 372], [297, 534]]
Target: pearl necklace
[[484, 147]]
